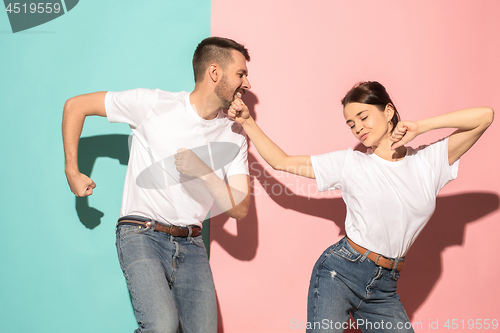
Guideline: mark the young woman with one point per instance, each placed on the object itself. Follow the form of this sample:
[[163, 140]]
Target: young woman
[[390, 193]]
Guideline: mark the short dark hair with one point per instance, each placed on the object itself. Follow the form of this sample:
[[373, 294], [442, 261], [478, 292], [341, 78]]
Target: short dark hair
[[215, 49], [371, 92]]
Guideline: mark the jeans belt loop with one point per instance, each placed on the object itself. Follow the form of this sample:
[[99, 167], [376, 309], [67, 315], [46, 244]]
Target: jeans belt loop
[[365, 255], [150, 224], [396, 264], [190, 232], [393, 264]]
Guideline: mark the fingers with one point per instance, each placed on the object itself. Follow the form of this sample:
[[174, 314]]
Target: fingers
[[179, 165], [88, 192], [399, 132], [398, 135], [237, 108], [86, 189], [81, 185], [237, 104], [233, 113], [178, 159], [181, 158], [181, 153]]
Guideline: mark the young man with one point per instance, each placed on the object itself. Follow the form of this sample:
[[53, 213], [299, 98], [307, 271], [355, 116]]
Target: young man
[[185, 154]]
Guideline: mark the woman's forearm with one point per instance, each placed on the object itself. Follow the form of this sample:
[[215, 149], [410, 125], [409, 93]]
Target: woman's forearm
[[271, 153], [274, 155], [470, 124], [478, 118]]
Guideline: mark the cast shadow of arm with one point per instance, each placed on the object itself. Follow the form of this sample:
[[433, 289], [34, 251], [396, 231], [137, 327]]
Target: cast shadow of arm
[[446, 228], [242, 245], [89, 149], [332, 209]]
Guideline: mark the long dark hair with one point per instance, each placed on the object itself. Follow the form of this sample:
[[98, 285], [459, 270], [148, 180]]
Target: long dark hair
[[371, 92]]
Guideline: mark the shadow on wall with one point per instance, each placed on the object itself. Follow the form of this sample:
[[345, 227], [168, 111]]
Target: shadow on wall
[[446, 228], [242, 245], [424, 261], [89, 149]]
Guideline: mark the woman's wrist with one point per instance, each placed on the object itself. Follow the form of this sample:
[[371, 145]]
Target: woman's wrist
[[424, 125]]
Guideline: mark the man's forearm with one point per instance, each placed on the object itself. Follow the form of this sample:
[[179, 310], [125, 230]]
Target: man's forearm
[[75, 111], [230, 200], [72, 125]]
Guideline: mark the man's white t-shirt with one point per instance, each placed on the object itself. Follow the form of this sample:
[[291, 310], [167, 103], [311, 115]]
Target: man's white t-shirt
[[163, 122], [388, 203]]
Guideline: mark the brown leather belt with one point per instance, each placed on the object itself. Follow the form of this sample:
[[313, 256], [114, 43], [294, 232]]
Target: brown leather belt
[[171, 230], [378, 259]]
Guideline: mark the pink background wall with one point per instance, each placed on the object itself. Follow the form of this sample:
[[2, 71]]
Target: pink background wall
[[433, 57]]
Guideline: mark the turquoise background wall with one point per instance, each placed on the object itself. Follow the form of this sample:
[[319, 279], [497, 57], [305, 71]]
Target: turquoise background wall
[[58, 270]]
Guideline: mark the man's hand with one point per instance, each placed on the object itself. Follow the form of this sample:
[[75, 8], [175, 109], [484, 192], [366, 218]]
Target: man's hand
[[404, 132], [80, 184], [238, 111], [189, 164]]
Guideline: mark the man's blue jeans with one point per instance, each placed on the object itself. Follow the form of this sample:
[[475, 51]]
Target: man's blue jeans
[[169, 280], [344, 281]]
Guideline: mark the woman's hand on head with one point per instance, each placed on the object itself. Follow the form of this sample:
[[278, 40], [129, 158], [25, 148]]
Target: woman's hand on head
[[404, 132]]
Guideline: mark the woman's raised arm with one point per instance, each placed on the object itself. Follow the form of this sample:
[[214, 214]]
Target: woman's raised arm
[[470, 124], [274, 155]]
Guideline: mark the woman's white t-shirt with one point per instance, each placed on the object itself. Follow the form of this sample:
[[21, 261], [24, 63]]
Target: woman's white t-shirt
[[388, 203]]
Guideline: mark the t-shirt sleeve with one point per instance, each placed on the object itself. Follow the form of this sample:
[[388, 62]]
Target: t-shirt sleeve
[[130, 106], [240, 163], [436, 155], [328, 169]]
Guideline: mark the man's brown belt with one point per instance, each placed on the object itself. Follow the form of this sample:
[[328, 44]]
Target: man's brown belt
[[171, 230], [377, 258]]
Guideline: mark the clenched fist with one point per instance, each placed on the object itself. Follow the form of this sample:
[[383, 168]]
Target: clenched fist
[[238, 110], [80, 184], [189, 164]]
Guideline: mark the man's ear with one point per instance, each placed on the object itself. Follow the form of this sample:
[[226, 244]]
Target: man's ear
[[214, 72]]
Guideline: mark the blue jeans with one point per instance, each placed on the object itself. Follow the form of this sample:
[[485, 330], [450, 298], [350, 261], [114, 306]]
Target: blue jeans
[[169, 280], [345, 282]]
